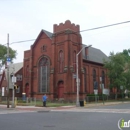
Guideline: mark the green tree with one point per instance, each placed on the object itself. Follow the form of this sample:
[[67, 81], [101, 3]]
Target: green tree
[[115, 67], [118, 68], [3, 54], [126, 54]]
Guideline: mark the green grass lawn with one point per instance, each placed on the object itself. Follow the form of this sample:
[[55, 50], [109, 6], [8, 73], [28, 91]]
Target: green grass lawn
[[58, 104], [55, 104]]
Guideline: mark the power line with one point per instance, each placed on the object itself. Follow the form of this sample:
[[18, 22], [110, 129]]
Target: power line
[[105, 26], [91, 29]]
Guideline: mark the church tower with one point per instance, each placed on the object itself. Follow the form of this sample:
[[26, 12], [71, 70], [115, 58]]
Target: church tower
[[66, 42]]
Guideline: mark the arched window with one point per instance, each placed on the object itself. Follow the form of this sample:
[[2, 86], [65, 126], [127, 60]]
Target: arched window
[[27, 71], [61, 59], [85, 80], [44, 65], [94, 79], [103, 77], [74, 61], [94, 75]]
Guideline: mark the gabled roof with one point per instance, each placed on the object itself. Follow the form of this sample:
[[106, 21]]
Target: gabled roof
[[94, 55], [14, 68], [49, 34]]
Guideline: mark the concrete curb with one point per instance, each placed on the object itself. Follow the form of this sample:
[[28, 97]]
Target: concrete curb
[[105, 104]]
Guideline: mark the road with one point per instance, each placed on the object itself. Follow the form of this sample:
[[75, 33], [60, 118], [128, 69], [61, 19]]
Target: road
[[95, 118]]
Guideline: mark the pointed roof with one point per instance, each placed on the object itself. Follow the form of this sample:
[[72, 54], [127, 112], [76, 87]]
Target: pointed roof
[[49, 34], [14, 68], [94, 55]]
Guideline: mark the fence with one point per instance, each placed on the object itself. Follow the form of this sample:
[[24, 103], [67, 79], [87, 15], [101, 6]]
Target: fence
[[60, 102], [107, 98]]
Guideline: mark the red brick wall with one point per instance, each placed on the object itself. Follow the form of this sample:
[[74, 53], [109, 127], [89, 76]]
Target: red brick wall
[[67, 40]]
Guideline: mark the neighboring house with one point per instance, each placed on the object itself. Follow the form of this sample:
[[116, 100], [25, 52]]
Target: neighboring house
[[50, 64], [16, 70]]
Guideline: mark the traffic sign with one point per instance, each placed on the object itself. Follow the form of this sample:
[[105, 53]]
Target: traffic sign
[[121, 87], [106, 91], [95, 91], [8, 59], [13, 79]]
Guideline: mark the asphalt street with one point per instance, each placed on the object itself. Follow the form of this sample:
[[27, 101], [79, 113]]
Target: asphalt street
[[61, 121], [95, 118]]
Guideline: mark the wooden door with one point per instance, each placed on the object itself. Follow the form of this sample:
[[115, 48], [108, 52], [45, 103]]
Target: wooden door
[[61, 90]]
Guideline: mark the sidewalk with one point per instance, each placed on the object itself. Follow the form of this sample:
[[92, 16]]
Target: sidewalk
[[103, 104], [33, 108]]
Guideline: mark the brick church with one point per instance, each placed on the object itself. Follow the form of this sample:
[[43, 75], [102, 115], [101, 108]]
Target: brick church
[[50, 64]]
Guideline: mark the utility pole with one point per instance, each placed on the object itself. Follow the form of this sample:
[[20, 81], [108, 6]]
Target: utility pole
[[77, 75], [7, 71]]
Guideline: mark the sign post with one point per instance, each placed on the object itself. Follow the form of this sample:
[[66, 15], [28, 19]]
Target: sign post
[[121, 87], [102, 89], [95, 92]]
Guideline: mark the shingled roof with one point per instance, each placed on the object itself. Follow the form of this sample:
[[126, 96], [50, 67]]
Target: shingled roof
[[49, 34], [14, 68], [94, 55]]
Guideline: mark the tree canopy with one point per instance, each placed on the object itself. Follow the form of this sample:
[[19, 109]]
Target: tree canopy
[[118, 68], [3, 54]]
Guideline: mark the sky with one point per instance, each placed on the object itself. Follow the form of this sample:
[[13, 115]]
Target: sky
[[24, 19]]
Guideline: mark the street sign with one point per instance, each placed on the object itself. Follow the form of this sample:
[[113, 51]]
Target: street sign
[[8, 60], [121, 87], [3, 91], [106, 91], [95, 91], [13, 79]]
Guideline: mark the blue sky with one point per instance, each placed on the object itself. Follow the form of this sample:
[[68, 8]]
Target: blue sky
[[24, 19]]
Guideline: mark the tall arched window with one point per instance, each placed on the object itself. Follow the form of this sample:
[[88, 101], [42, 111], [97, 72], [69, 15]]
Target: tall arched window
[[74, 61], [94, 79], [94, 75], [44, 65], [103, 77], [27, 71], [61, 59]]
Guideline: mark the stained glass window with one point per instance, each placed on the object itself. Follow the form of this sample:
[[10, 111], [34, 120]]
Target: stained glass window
[[44, 74]]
